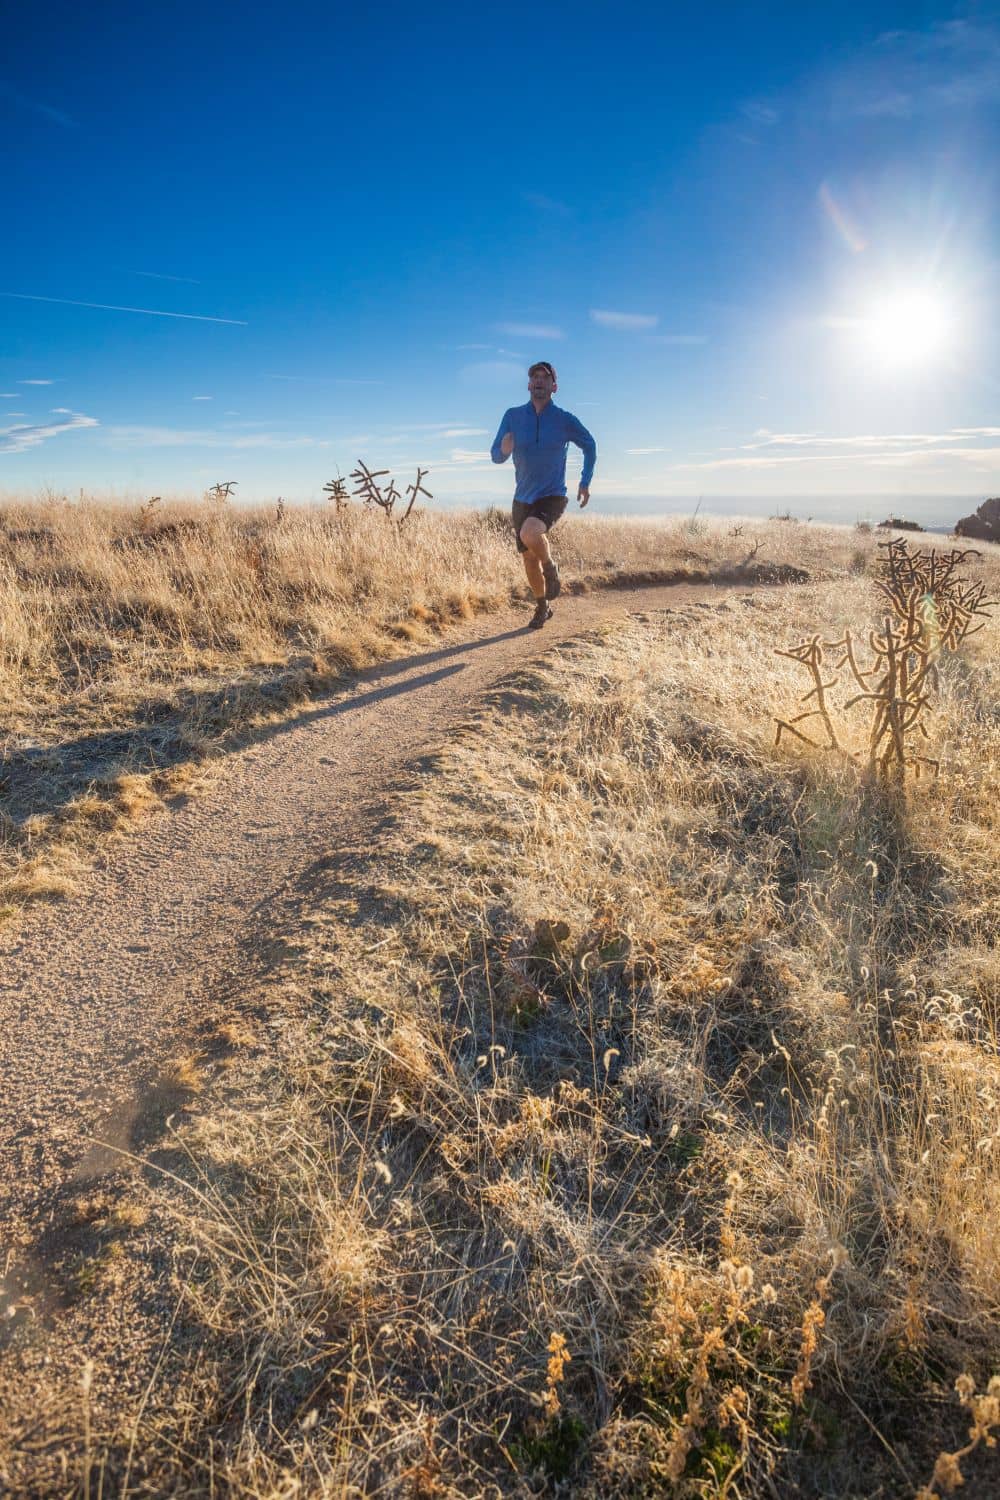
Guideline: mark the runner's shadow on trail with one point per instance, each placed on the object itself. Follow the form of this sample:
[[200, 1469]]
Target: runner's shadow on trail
[[405, 663], [354, 701], [23, 789], [46, 778]]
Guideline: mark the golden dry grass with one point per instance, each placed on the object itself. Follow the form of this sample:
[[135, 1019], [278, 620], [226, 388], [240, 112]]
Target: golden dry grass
[[631, 1125], [134, 644]]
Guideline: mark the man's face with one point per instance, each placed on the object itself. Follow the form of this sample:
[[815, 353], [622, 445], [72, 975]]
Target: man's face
[[541, 385]]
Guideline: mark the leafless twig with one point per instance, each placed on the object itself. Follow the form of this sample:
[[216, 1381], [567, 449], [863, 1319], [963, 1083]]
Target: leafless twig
[[931, 608]]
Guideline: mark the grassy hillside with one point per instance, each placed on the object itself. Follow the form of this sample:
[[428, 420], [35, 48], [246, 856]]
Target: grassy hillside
[[136, 641], [625, 1121]]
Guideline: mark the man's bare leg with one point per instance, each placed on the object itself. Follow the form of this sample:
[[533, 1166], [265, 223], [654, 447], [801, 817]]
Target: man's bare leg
[[535, 537], [536, 578]]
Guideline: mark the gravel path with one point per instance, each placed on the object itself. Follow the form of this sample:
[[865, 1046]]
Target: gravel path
[[97, 992]]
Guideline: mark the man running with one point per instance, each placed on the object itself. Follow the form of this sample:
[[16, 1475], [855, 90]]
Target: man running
[[537, 434]]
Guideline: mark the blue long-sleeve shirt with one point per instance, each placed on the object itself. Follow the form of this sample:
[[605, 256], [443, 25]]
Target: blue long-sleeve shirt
[[540, 441]]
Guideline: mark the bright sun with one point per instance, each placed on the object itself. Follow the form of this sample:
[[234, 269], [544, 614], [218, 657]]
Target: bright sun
[[908, 328]]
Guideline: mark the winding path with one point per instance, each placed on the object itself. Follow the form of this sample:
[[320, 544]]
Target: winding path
[[97, 991]]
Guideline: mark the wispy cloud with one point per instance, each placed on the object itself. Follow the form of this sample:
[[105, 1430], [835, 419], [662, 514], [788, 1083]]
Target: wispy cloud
[[626, 322], [126, 436], [944, 68], [901, 75], [322, 379], [531, 330], [861, 450], [465, 468], [759, 112], [547, 204], [986, 458], [426, 426], [950, 65], [37, 106], [773, 461], [18, 439], [150, 312], [866, 440], [496, 349], [924, 457], [36, 382], [678, 340], [492, 372], [647, 450], [430, 433], [202, 398], [162, 276], [467, 456], [8, 395]]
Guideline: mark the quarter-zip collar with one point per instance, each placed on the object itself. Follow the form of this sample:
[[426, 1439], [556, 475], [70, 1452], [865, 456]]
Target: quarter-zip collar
[[539, 414]]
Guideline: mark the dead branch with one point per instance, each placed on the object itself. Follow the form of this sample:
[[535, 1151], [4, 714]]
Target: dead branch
[[337, 491], [372, 493], [415, 489], [931, 609]]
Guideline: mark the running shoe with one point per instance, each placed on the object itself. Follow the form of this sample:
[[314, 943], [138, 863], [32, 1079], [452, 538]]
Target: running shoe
[[553, 583], [542, 613]]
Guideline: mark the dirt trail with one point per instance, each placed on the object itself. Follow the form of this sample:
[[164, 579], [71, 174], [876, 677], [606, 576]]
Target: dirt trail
[[97, 992]]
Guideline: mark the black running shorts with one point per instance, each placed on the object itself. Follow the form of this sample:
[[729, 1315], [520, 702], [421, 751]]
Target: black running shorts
[[548, 509]]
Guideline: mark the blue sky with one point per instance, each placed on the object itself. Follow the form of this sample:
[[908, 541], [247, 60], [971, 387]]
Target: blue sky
[[759, 243]]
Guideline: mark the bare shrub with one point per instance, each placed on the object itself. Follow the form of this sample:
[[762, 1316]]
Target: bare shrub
[[384, 497], [932, 609], [223, 491], [337, 491]]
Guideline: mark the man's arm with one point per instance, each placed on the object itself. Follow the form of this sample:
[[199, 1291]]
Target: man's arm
[[503, 443], [578, 434]]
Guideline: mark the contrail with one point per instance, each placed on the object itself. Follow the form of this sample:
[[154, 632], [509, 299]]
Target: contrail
[[43, 109], [161, 276], [151, 312]]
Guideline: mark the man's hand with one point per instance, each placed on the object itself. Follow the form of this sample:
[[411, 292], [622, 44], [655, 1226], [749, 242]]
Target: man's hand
[[507, 444], [583, 495]]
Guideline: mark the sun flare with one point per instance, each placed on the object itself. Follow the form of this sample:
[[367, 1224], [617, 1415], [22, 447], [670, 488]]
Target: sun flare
[[908, 328]]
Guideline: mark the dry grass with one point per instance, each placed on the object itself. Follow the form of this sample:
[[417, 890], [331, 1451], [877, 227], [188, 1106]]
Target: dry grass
[[931, 608], [135, 644], [641, 1133]]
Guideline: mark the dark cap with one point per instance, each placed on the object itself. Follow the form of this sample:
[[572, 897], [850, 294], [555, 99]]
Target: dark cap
[[542, 364]]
